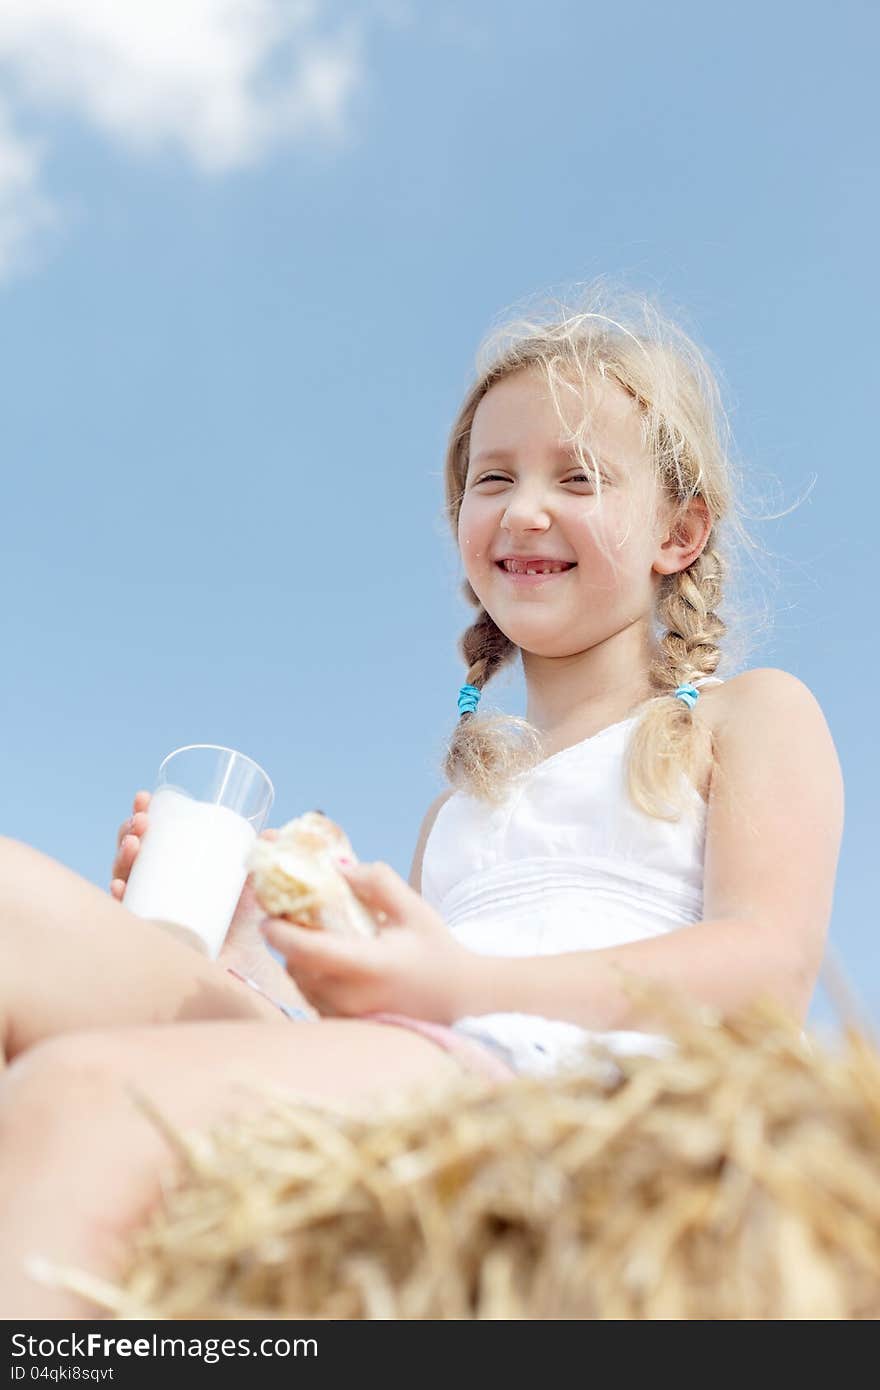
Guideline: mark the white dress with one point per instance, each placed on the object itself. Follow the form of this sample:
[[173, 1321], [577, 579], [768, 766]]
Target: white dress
[[566, 863]]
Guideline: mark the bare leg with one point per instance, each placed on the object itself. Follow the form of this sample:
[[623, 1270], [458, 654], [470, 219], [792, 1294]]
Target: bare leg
[[71, 957], [80, 1164]]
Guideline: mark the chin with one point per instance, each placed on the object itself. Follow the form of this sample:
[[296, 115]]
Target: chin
[[536, 638]]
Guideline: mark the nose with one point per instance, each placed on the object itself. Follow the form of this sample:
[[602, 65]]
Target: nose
[[525, 512]]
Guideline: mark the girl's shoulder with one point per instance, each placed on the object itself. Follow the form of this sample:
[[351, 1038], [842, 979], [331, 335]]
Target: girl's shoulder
[[739, 698], [749, 707]]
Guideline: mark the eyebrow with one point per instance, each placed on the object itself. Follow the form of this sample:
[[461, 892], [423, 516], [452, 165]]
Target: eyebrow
[[568, 449]]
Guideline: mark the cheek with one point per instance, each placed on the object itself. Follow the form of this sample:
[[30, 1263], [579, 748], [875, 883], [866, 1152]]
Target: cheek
[[606, 530], [591, 535], [605, 550], [471, 533]]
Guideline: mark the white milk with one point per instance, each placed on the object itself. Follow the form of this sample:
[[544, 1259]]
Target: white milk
[[190, 868]]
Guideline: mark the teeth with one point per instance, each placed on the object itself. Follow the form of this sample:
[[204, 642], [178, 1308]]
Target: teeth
[[513, 568]]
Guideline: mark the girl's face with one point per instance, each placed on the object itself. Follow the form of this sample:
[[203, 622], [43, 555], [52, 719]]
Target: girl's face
[[526, 495]]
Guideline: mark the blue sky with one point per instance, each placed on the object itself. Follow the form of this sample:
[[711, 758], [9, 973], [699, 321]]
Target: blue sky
[[241, 296]]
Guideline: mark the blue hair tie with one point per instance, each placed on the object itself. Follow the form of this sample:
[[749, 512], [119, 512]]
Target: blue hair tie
[[468, 699], [689, 693]]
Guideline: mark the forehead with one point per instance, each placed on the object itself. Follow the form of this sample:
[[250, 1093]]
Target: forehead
[[519, 414]]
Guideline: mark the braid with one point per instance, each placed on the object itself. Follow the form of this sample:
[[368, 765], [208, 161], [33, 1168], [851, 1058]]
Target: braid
[[668, 738], [485, 649], [686, 609], [485, 754]]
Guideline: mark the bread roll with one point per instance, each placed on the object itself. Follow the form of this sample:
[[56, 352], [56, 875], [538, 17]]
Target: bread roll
[[296, 876]]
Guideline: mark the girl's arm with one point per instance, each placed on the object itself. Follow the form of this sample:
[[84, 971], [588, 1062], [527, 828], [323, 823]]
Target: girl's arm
[[774, 828], [722, 963]]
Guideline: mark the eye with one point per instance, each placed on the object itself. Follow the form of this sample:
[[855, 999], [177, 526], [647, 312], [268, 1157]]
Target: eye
[[499, 478]]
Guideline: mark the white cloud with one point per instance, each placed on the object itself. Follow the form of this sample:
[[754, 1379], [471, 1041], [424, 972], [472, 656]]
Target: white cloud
[[218, 81], [24, 209]]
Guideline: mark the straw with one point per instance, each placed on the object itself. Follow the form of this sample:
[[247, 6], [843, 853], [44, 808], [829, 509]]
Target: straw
[[736, 1177]]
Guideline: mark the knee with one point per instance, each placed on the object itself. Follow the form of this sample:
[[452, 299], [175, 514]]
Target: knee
[[22, 873], [61, 1082], [16, 854]]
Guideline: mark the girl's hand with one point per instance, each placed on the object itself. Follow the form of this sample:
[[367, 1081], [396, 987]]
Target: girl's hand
[[413, 966], [128, 842], [243, 946]]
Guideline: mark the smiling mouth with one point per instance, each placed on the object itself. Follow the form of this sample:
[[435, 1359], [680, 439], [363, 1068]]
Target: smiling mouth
[[534, 573]]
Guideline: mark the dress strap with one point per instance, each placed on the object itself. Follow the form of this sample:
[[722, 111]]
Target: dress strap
[[708, 680]]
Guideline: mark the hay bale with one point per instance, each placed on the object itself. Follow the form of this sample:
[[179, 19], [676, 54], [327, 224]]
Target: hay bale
[[737, 1177]]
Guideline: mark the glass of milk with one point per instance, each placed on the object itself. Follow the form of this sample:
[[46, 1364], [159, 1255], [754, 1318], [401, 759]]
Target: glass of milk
[[208, 807]]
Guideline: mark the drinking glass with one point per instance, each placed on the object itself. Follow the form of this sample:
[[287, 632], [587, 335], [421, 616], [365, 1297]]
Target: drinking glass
[[208, 807]]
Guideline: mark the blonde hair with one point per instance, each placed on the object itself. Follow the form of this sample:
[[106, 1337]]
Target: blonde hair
[[686, 436]]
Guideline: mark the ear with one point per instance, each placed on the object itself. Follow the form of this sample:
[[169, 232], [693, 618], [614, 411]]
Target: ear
[[686, 539]]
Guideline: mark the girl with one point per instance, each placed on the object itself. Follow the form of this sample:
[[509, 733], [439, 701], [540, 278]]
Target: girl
[[644, 819]]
